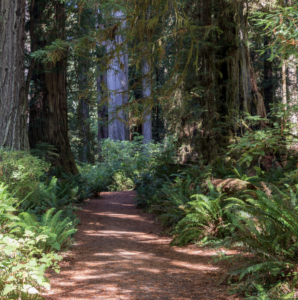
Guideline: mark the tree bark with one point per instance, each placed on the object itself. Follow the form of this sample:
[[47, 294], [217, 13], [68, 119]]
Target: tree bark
[[293, 101], [253, 102], [13, 104], [146, 84], [117, 85], [208, 141], [48, 111], [102, 112], [292, 87], [83, 111], [84, 131], [227, 77], [268, 80]]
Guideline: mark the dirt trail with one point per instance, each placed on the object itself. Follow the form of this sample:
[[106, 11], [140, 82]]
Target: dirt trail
[[120, 254]]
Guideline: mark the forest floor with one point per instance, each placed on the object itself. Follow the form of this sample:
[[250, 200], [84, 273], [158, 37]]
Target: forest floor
[[121, 253]]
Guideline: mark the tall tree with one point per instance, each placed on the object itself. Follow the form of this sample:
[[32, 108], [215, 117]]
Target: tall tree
[[117, 81], [13, 104], [101, 84], [102, 111], [85, 24], [268, 79], [227, 76], [48, 108], [146, 84]]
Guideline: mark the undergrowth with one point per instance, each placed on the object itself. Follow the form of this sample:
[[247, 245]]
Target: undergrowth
[[37, 219], [247, 199]]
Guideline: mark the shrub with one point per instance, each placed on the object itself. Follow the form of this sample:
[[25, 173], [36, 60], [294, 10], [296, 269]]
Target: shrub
[[58, 231], [27, 240], [58, 194], [44, 151], [23, 265], [21, 171], [98, 177], [7, 208], [123, 162], [121, 183], [267, 225], [205, 218], [171, 198]]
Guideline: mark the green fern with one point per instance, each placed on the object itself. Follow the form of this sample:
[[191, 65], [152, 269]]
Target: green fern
[[45, 150], [267, 225], [7, 208], [204, 217], [172, 197], [59, 232]]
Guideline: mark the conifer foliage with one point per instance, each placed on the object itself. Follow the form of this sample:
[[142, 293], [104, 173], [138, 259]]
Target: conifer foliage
[[193, 104]]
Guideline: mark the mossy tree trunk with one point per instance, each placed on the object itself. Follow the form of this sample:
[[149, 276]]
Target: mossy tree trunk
[[227, 78]]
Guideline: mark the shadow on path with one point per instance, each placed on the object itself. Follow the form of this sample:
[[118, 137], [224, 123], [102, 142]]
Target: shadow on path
[[120, 254]]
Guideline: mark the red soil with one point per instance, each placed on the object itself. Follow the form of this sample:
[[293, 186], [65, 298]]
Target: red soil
[[120, 253]]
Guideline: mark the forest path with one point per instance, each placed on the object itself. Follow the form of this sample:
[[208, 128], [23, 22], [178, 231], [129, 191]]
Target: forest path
[[121, 254]]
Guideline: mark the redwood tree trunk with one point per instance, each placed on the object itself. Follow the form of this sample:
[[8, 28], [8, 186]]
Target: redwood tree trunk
[[292, 91], [84, 129], [268, 80], [48, 112], [117, 84], [147, 124], [13, 105], [83, 111], [226, 76], [208, 140], [102, 112]]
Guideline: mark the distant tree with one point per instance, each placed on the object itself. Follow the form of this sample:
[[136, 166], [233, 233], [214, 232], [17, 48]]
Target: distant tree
[[146, 84], [117, 82]]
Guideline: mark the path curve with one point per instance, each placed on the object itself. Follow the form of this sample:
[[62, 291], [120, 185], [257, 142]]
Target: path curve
[[120, 254]]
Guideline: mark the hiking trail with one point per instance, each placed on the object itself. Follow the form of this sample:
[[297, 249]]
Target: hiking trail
[[120, 253]]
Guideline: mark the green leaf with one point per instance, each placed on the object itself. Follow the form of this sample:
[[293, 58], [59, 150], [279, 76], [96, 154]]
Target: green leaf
[[8, 288]]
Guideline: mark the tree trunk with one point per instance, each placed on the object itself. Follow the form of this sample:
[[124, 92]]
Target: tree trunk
[[146, 84], [101, 84], [48, 111], [83, 111], [292, 70], [117, 84], [208, 141], [102, 112], [252, 100], [84, 131], [268, 80], [232, 89], [292, 87], [13, 104]]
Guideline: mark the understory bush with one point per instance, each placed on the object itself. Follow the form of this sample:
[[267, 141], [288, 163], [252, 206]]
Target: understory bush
[[247, 200], [23, 265], [205, 218], [36, 220], [57, 230], [21, 172], [267, 225], [123, 163]]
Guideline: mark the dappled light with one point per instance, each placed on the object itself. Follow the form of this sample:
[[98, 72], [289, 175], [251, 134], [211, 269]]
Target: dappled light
[[120, 254], [148, 149]]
